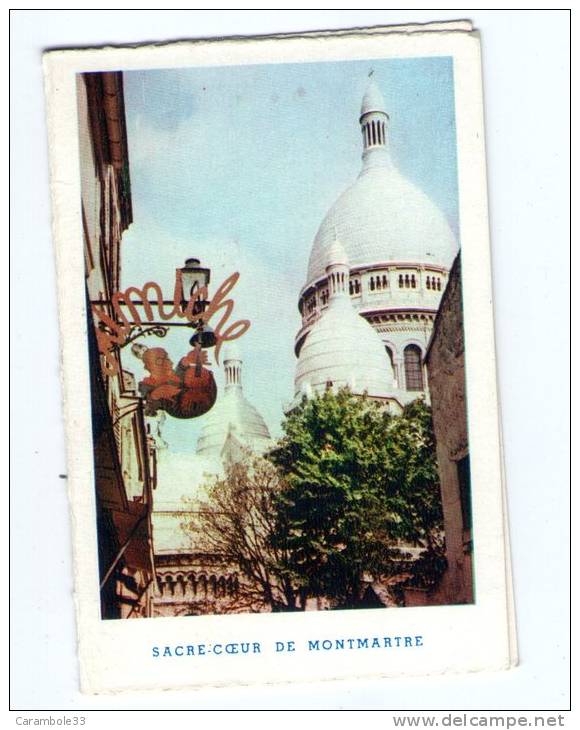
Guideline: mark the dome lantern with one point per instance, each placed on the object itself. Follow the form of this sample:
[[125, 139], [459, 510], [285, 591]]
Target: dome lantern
[[374, 123], [338, 272], [233, 367]]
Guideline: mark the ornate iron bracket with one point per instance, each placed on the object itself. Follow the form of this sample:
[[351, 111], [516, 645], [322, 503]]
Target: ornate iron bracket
[[139, 330]]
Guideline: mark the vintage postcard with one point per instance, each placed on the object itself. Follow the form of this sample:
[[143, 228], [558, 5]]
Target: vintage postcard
[[278, 359]]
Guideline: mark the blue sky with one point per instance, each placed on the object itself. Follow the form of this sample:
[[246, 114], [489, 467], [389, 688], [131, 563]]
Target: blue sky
[[239, 165]]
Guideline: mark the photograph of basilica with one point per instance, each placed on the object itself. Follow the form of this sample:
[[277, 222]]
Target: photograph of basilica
[[317, 457]]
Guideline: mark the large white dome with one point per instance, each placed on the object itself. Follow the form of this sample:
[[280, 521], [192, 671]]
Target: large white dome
[[384, 218], [342, 349]]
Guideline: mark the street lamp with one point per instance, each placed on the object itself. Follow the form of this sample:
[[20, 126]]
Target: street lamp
[[193, 281], [193, 277]]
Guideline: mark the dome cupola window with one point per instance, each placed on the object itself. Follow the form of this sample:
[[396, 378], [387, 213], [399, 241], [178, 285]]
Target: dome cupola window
[[377, 283], [434, 283], [375, 132]]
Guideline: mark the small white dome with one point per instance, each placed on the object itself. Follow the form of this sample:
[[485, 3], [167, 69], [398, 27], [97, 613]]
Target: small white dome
[[342, 349], [232, 413], [383, 218], [233, 418]]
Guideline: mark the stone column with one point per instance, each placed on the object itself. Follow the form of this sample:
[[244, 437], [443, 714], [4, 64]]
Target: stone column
[[399, 365]]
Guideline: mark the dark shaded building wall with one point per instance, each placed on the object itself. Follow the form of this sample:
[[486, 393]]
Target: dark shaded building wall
[[445, 361], [124, 455]]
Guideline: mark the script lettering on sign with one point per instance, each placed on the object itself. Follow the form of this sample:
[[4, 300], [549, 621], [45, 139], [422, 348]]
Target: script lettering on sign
[[114, 331]]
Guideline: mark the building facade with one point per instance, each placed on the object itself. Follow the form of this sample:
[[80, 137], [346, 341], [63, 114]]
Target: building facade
[[399, 248], [124, 449]]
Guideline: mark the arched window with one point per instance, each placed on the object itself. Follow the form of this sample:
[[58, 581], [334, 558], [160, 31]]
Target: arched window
[[406, 281], [413, 368], [202, 583], [372, 283], [385, 281], [378, 284], [428, 282], [357, 286], [438, 284], [400, 281], [413, 282]]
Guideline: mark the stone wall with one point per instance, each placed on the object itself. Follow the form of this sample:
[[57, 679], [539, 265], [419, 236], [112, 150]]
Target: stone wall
[[445, 363], [194, 584]]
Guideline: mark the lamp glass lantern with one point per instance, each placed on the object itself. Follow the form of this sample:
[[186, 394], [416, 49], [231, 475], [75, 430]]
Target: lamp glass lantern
[[193, 277]]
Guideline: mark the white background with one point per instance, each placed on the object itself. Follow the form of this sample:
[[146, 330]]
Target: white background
[[525, 60]]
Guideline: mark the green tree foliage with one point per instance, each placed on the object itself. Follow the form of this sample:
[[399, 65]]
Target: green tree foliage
[[359, 483], [343, 495]]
